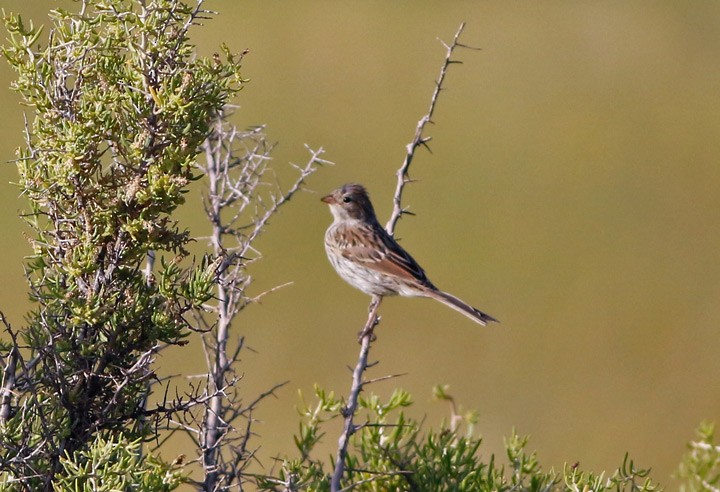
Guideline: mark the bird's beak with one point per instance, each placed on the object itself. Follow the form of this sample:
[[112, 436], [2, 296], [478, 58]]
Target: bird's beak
[[328, 199]]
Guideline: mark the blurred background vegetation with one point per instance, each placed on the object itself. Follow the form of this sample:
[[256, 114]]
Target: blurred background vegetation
[[573, 192]]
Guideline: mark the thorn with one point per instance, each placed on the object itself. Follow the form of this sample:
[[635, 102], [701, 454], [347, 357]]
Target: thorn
[[460, 45]]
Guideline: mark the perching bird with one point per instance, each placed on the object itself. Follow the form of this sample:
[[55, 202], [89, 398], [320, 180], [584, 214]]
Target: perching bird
[[369, 259]]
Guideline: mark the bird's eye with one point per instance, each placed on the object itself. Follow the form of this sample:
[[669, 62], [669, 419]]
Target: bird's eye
[[347, 199]]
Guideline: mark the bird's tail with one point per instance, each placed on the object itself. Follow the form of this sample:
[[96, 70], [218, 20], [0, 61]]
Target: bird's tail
[[458, 305]]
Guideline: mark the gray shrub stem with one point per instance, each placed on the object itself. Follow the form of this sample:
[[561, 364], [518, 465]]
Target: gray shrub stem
[[239, 202]]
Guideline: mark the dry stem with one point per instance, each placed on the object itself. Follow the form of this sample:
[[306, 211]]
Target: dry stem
[[239, 205]]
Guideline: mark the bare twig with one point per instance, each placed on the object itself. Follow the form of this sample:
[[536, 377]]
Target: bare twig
[[366, 335], [383, 378], [239, 204], [418, 139]]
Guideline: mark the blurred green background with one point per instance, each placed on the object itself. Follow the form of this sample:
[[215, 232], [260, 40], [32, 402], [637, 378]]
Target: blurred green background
[[573, 192]]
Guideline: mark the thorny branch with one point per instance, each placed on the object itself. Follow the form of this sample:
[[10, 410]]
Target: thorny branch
[[418, 140], [403, 178], [239, 206]]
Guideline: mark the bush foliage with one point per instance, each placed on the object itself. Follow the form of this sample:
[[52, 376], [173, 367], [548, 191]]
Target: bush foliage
[[119, 107], [392, 451]]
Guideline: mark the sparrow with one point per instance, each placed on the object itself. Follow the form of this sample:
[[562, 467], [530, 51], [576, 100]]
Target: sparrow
[[371, 260]]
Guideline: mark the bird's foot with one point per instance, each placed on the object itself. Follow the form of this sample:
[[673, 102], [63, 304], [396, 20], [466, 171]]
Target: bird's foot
[[367, 332]]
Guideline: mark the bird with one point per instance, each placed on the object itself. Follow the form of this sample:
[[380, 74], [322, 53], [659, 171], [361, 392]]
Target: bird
[[367, 257]]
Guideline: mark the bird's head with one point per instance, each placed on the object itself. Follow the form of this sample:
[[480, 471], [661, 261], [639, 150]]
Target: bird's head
[[350, 202]]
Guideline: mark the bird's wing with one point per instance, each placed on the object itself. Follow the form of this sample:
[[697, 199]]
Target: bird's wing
[[383, 254]]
